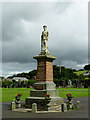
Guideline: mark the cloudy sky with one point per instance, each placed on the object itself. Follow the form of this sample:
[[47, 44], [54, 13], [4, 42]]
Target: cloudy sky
[[21, 32]]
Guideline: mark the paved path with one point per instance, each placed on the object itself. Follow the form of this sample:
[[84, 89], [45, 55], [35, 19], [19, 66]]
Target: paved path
[[81, 113]]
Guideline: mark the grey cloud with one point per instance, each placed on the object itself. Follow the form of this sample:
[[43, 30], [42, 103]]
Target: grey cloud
[[7, 68], [14, 12], [22, 27], [62, 7]]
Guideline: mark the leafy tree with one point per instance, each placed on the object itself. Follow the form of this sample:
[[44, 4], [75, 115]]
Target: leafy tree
[[6, 83], [87, 67], [31, 82], [66, 74], [74, 70], [1, 77], [32, 73], [81, 78]]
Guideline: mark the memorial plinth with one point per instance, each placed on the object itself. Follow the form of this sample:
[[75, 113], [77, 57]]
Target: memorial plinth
[[44, 85], [44, 67]]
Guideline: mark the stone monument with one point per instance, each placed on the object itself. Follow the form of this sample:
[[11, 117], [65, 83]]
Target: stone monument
[[44, 39], [44, 85]]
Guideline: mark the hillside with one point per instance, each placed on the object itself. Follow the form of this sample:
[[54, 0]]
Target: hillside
[[80, 72], [66, 73]]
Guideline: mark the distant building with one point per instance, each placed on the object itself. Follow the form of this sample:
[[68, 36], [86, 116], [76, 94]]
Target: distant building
[[20, 79], [86, 73], [9, 79]]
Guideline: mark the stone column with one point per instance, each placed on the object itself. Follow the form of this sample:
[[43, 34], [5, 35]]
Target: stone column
[[64, 107], [13, 106], [34, 108], [44, 70]]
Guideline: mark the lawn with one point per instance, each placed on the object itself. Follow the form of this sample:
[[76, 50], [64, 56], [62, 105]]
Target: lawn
[[76, 92], [8, 94], [80, 72]]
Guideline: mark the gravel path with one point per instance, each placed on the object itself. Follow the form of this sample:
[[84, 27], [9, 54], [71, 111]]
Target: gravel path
[[81, 113]]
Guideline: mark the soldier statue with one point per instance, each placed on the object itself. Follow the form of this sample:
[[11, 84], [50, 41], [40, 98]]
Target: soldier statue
[[44, 39]]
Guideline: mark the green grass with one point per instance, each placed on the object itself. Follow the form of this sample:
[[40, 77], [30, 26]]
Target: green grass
[[8, 94], [75, 93], [72, 88], [80, 72]]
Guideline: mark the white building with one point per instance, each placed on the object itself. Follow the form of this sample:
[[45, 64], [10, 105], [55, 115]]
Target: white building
[[86, 73], [20, 79], [9, 79]]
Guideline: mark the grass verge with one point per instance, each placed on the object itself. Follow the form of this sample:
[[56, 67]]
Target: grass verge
[[8, 94]]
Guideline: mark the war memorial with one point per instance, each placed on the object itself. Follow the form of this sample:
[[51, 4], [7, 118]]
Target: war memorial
[[44, 97], [44, 94]]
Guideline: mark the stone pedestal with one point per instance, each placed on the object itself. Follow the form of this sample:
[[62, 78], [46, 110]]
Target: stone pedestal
[[18, 104], [34, 108], [64, 107], [13, 106], [44, 85]]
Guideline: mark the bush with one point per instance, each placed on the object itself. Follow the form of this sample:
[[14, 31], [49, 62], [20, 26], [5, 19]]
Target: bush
[[6, 83], [31, 82]]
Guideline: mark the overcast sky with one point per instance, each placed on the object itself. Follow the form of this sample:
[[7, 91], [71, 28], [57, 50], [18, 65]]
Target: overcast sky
[[21, 32]]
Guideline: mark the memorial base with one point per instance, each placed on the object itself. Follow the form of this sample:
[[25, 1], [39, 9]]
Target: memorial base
[[51, 104], [38, 96], [43, 88], [44, 85]]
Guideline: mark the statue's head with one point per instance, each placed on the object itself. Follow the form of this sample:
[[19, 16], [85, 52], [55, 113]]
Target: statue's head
[[44, 27]]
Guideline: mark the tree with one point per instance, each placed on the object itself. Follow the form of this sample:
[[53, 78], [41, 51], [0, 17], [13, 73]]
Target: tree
[[31, 82], [1, 77], [87, 67], [6, 83], [32, 73], [57, 81]]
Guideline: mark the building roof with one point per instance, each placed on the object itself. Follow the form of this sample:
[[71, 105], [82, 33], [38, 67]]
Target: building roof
[[86, 73], [20, 78]]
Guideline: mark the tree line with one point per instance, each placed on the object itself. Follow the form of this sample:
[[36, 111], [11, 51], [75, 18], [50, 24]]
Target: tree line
[[58, 77]]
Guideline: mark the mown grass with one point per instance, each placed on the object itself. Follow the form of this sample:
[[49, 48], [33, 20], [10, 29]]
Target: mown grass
[[80, 72], [8, 94], [72, 88], [76, 92]]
